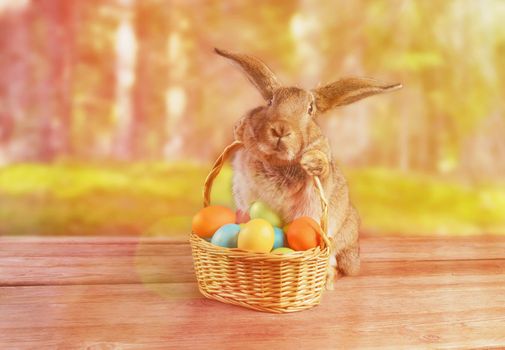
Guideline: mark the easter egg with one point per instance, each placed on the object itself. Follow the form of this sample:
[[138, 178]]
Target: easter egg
[[279, 237], [257, 236], [303, 233], [242, 216], [226, 236], [283, 250], [260, 210], [210, 218]]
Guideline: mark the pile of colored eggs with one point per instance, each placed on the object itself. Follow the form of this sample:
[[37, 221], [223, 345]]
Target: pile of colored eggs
[[258, 230]]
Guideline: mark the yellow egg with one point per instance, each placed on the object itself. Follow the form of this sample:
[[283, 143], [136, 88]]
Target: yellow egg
[[256, 235]]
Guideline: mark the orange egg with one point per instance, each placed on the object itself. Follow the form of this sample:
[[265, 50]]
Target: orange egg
[[210, 218], [303, 233]]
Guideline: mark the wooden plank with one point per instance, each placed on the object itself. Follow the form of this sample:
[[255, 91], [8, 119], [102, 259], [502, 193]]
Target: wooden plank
[[412, 293], [432, 248], [28, 249], [167, 269], [372, 248], [175, 239], [83, 263], [448, 311], [379, 277], [466, 334], [95, 270]]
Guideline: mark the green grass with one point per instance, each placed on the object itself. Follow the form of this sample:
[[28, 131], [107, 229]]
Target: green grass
[[159, 199], [395, 202], [93, 200]]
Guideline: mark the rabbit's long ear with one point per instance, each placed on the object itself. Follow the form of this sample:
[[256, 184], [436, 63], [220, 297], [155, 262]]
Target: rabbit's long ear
[[348, 90], [257, 72]]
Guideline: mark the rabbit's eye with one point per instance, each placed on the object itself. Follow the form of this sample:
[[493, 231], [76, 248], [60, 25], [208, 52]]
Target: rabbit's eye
[[311, 108]]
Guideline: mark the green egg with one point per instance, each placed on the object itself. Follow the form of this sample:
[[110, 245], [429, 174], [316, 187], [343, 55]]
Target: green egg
[[260, 210], [283, 250]]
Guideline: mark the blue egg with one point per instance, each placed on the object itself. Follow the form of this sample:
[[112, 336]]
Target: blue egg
[[279, 238], [226, 236]]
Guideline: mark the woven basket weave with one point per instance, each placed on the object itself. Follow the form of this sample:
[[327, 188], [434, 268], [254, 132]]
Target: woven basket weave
[[261, 281]]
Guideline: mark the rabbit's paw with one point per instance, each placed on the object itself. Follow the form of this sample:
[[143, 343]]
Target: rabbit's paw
[[315, 163]]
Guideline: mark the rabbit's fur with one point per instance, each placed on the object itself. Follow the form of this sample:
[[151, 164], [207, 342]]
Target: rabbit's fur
[[285, 148]]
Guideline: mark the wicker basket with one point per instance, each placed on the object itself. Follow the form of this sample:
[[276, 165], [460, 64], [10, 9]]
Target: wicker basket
[[261, 281]]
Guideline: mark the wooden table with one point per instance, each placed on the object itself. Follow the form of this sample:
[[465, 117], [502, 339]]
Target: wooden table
[[126, 293]]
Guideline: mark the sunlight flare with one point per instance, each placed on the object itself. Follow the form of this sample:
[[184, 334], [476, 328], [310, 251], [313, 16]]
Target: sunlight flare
[[10, 5]]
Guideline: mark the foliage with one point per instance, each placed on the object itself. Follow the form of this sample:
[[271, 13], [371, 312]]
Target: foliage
[[138, 80], [87, 84], [160, 199]]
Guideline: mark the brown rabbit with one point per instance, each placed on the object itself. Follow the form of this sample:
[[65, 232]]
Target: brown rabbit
[[285, 148]]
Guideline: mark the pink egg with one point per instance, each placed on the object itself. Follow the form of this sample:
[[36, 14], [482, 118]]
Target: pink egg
[[242, 216]]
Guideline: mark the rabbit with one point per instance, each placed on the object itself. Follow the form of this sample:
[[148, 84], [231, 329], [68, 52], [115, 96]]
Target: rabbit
[[284, 148]]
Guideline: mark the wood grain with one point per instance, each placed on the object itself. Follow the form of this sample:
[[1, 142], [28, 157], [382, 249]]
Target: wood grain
[[104, 294], [424, 248], [358, 313], [372, 248]]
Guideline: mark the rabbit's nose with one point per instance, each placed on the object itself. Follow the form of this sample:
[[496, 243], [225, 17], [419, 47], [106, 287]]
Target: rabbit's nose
[[280, 129]]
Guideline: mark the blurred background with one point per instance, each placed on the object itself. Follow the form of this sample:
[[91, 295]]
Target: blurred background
[[112, 111]]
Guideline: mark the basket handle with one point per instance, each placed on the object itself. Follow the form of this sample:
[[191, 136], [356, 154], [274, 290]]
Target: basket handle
[[227, 152]]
